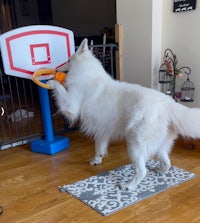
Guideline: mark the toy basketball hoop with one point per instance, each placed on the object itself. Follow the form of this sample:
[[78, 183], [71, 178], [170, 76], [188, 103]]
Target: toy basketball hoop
[[25, 51], [58, 76], [39, 73]]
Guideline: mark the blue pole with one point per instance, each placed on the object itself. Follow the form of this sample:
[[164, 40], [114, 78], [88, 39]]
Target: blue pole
[[46, 113], [50, 144]]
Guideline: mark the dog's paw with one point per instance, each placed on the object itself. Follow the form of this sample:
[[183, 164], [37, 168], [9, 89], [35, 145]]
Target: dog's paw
[[127, 187], [53, 84], [96, 161], [163, 168], [123, 186]]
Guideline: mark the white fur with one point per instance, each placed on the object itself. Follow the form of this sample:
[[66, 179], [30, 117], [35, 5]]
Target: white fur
[[108, 110]]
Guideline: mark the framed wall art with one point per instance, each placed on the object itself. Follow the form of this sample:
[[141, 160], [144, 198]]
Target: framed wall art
[[184, 5]]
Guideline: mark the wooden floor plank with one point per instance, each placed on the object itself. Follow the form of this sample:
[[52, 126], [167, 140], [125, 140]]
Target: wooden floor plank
[[29, 184]]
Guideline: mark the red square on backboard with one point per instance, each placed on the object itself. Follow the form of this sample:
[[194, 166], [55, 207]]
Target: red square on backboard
[[40, 53]]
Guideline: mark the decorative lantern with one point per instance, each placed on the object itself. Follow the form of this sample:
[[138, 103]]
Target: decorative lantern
[[187, 91], [168, 73], [164, 76]]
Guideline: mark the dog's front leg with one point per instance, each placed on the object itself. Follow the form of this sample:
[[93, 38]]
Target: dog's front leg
[[68, 102], [101, 145], [140, 173], [59, 90], [138, 155]]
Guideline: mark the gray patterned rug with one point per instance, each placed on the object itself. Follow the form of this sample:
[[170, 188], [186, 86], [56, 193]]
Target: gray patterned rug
[[103, 195]]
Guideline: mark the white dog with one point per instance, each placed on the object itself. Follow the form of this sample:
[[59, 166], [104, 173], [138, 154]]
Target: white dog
[[108, 110]]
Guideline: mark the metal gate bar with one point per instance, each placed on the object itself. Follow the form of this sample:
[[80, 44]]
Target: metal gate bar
[[106, 54], [19, 103]]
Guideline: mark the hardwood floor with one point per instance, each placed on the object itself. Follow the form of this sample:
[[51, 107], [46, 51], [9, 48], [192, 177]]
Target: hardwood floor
[[29, 186]]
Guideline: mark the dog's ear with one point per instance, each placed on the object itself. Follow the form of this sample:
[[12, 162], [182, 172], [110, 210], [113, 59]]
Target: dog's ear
[[83, 47]]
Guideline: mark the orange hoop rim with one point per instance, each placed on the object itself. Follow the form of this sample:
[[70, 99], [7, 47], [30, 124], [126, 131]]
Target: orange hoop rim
[[40, 72]]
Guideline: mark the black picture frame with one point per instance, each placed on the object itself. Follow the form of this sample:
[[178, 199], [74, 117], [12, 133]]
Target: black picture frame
[[184, 5]]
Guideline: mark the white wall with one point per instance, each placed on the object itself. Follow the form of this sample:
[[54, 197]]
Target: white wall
[[141, 23], [136, 20], [181, 33], [156, 49], [144, 40]]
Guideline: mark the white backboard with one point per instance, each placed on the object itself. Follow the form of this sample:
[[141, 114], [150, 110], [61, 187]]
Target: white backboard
[[27, 49]]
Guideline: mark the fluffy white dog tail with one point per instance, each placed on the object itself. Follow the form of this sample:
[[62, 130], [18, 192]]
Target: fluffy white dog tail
[[185, 120]]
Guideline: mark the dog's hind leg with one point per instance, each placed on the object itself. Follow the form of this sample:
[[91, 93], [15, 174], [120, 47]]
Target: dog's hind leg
[[163, 153], [101, 145]]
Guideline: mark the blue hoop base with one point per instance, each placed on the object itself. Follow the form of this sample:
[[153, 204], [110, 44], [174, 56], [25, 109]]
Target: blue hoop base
[[50, 147]]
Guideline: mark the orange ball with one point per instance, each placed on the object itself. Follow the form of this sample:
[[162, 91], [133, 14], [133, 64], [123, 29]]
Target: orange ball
[[60, 77]]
